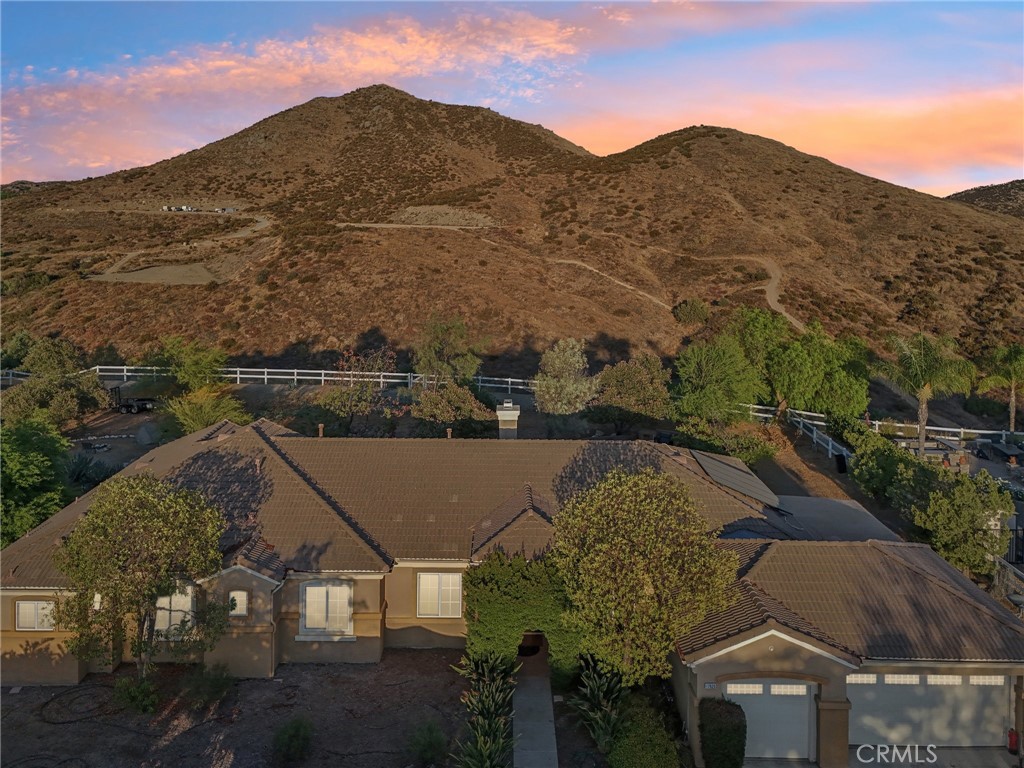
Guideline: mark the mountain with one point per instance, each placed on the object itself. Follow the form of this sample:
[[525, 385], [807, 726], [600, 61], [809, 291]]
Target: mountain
[[366, 214], [1005, 198]]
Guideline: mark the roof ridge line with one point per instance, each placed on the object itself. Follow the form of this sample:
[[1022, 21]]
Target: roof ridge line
[[1016, 626], [325, 499]]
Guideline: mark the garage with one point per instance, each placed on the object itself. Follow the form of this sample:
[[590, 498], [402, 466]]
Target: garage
[[780, 716], [947, 710]]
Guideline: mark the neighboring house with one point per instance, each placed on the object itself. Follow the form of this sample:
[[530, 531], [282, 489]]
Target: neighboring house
[[339, 548]]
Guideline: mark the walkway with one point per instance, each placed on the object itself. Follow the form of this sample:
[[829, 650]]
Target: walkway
[[533, 722]]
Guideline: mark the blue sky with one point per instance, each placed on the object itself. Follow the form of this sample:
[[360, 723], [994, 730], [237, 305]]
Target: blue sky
[[925, 94]]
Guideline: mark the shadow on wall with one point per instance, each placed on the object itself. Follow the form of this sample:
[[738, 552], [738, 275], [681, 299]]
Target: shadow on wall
[[40, 662]]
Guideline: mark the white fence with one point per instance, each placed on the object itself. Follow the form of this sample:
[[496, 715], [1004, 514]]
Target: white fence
[[811, 424]]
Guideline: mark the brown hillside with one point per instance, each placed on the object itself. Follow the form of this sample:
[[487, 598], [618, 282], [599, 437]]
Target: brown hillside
[[1005, 198], [375, 210]]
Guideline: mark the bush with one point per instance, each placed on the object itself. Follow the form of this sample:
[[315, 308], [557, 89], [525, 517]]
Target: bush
[[976, 405], [428, 744], [599, 705], [136, 695], [700, 435], [643, 742], [723, 733], [204, 686], [489, 705], [293, 741], [691, 312]]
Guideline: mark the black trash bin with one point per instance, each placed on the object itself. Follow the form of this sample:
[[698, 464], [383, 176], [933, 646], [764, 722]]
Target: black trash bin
[[841, 463]]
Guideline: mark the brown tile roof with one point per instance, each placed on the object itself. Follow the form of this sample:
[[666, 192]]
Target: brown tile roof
[[522, 524], [880, 600]]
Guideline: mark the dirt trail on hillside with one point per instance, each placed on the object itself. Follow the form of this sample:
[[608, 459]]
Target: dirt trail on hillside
[[615, 280], [770, 288]]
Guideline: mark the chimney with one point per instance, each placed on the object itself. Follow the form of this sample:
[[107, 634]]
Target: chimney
[[449, 431], [508, 420], [319, 430]]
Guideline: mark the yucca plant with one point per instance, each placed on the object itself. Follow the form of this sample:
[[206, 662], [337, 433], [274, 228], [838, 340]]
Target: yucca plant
[[599, 704], [489, 745], [489, 699], [487, 667]]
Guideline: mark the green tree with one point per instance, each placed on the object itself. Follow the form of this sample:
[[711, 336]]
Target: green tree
[[193, 365], [714, 377], [1005, 370], [562, 385], [359, 395], [452, 406], [759, 332], [142, 539], [15, 349], [32, 454], [58, 392], [639, 568], [965, 519], [923, 368], [444, 352], [205, 407], [632, 391]]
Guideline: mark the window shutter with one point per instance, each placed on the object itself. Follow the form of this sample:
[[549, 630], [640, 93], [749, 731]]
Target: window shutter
[[315, 608]]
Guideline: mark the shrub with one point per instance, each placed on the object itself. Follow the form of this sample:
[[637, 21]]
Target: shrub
[[428, 744], [697, 433], [136, 695], [643, 742], [204, 686], [293, 741], [691, 312], [977, 405], [599, 705], [723, 733]]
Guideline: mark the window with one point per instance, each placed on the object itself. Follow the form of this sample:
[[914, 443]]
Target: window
[[327, 607], [861, 679], [172, 609], [241, 607], [789, 690], [902, 679], [988, 680], [944, 680], [751, 688], [35, 615], [439, 595]]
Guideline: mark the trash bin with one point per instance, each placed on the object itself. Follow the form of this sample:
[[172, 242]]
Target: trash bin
[[841, 463]]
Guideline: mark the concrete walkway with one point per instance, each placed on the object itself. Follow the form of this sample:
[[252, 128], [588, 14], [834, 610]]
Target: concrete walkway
[[533, 721]]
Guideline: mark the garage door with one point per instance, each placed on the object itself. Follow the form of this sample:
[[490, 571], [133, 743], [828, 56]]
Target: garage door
[[780, 716], [946, 710]]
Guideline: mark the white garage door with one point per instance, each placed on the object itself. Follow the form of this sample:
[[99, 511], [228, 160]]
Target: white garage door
[[946, 710], [780, 716]]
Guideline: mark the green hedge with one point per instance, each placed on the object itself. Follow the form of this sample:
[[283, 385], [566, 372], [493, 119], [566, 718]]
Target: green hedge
[[723, 733], [644, 741]]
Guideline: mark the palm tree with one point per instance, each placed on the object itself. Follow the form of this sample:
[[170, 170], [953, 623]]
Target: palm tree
[[925, 367], [1006, 369]]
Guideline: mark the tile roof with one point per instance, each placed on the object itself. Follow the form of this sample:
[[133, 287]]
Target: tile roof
[[522, 524], [876, 599]]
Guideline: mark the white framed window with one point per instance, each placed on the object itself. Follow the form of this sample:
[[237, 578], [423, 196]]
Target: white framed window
[[988, 680], [747, 688], [327, 607], [439, 595], [789, 690], [902, 679], [172, 609], [34, 615], [240, 606], [861, 679], [944, 680]]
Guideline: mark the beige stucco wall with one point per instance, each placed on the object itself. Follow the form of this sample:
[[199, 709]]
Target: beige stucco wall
[[365, 645], [247, 647], [402, 627], [34, 658]]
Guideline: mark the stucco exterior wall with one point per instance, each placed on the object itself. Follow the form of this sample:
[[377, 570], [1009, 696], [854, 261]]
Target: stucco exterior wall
[[248, 645], [31, 657], [403, 628]]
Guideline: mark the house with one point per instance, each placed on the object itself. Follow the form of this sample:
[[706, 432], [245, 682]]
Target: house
[[360, 545]]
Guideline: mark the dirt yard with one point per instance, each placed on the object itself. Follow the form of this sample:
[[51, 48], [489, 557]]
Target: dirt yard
[[363, 717]]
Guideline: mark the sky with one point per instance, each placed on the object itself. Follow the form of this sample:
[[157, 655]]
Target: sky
[[929, 95]]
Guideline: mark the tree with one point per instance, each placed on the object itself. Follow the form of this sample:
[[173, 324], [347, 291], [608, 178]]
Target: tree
[[193, 365], [451, 406], [360, 396], [923, 368], [715, 377], [632, 391], [639, 568], [444, 352], [15, 348], [141, 540], [31, 480], [205, 407], [562, 385], [759, 333], [1005, 368], [58, 392], [965, 519]]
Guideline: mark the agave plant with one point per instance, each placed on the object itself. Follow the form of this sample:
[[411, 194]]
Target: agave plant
[[599, 704], [487, 667], [489, 700]]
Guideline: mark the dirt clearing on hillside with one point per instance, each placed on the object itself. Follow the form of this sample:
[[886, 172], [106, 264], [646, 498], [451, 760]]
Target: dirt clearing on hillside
[[363, 716]]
